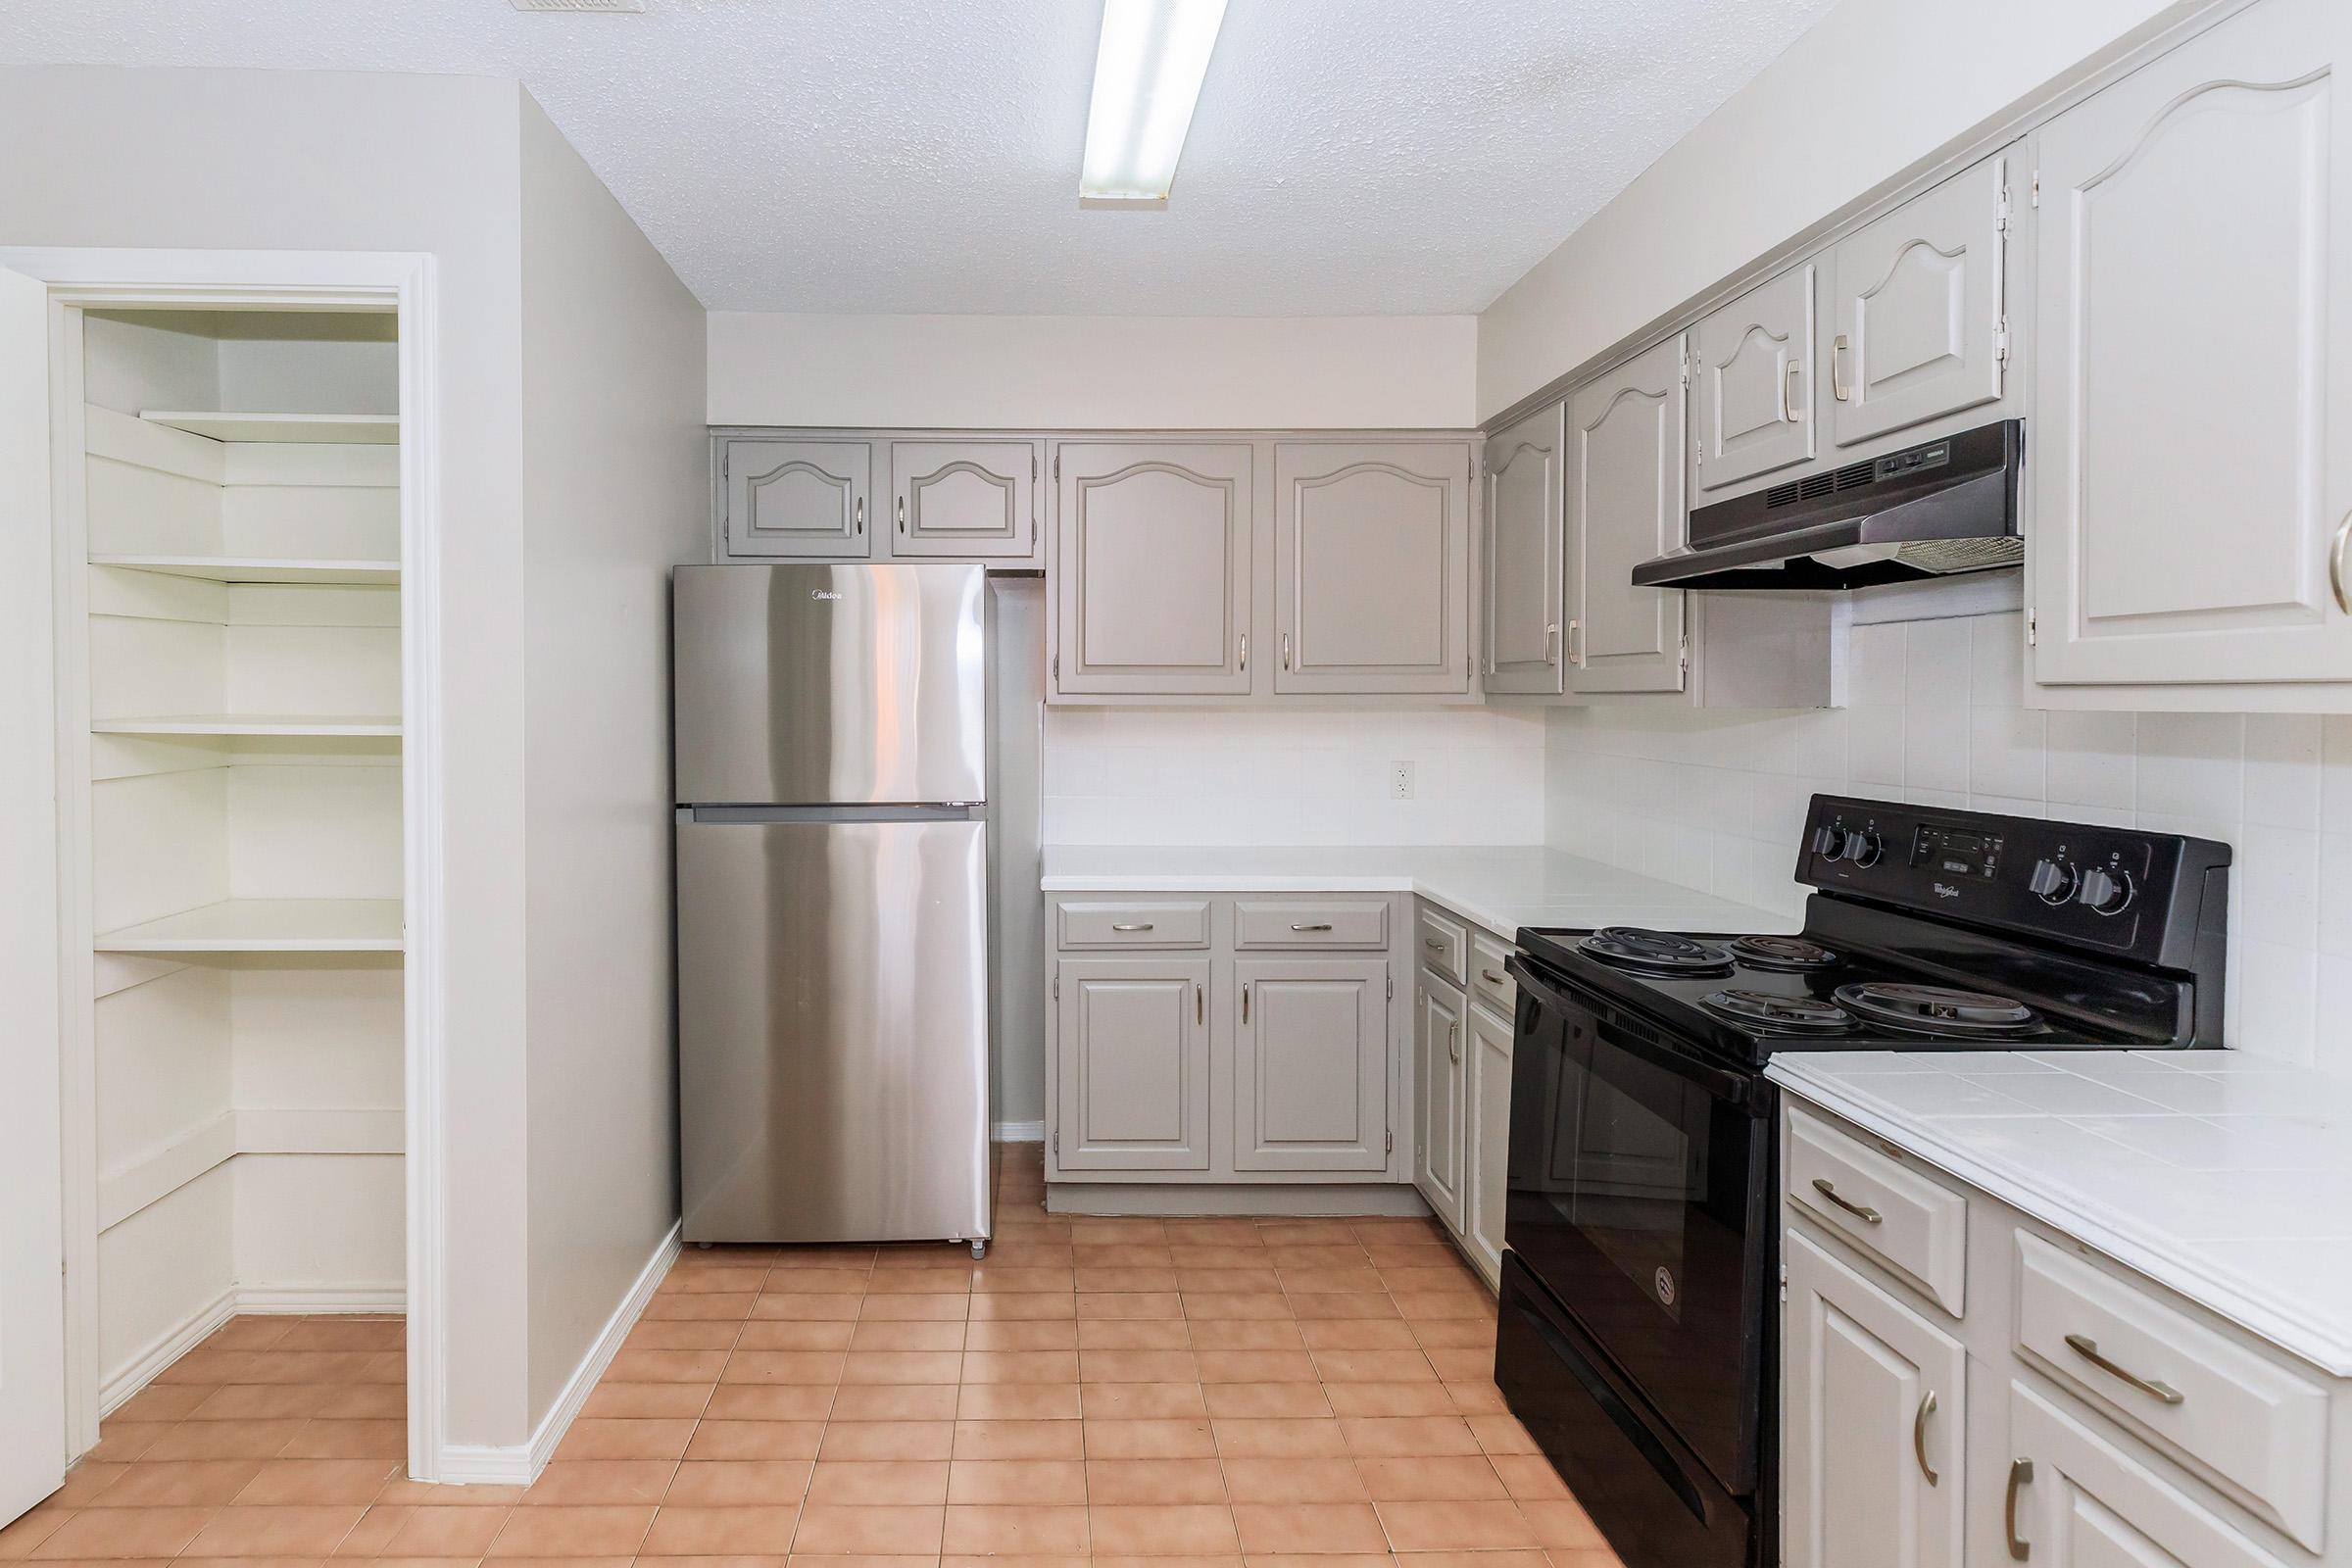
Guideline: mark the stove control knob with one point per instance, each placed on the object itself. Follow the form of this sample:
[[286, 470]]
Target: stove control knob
[[1863, 848], [2107, 892], [1830, 842], [2053, 881]]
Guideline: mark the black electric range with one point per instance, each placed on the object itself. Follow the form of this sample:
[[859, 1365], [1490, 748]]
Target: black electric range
[[1638, 1335]]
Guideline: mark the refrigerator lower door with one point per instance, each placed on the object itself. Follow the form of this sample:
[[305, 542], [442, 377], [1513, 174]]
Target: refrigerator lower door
[[832, 1029]]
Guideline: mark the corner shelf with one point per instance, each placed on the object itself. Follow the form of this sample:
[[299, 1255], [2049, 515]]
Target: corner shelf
[[347, 429], [267, 925], [303, 724], [260, 569]]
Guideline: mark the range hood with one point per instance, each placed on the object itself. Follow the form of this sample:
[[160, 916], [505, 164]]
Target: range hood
[[1930, 511]]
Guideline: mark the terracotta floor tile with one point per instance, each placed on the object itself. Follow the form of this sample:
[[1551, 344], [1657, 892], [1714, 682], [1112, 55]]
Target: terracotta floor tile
[[84, 1484], [994, 1531], [1255, 1366], [1266, 1401], [595, 1481], [647, 1400], [1209, 1305], [888, 1440], [1307, 1526], [1432, 1478], [827, 1528], [1343, 1303], [1390, 1398], [1472, 1363], [880, 1480], [1529, 1478], [120, 1441], [895, 1401], [755, 1439], [1161, 1528], [1477, 1399], [1154, 1481], [1017, 1401], [1137, 1366], [666, 1366], [182, 1482], [1022, 1439], [993, 1278], [1447, 1333], [788, 1366], [738, 1483], [1526, 1558], [1407, 1437], [801, 1333], [1054, 1482], [770, 1401], [1280, 1439], [122, 1532], [821, 1305], [1455, 1525], [1142, 1402], [1563, 1523], [818, 1282], [458, 1532], [1270, 1479], [1328, 1281], [1374, 1366], [916, 1308], [162, 1402], [1129, 1303], [885, 1333], [364, 1401], [319, 1481], [1027, 1334], [695, 1532], [1025, 1366], [224, 1439], [1025, 1306], [919, 1281], [724, 1306], [255, 1402], [1126, 1334], [565, 1531], [1249, 1334], [428, 1494], [274, 1530], [1148, 1438], [626, 1437], [1501, 1433], [372, 1535]]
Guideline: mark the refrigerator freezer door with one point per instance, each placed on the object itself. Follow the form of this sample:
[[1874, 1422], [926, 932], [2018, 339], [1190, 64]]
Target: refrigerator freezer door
[[824, 685], [833, 1030]]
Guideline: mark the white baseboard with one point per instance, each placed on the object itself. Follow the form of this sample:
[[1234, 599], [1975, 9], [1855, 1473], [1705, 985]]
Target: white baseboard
[[322, 1300], [519, 1464], [164, 1349], [1018, 1132], [308, 1301]]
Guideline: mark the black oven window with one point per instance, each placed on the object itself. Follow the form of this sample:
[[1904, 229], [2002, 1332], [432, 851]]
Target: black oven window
[[1631, 1157]]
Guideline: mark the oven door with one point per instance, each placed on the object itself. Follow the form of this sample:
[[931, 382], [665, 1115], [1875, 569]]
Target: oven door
[[1640, 1195]]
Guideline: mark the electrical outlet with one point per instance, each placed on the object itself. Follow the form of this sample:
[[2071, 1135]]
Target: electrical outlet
[[1400, 781]]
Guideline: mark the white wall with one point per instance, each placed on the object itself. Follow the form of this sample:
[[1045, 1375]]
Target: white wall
[[615, 465], [1872, 88], [1167, 776], [1717, 801], [1025, 372]]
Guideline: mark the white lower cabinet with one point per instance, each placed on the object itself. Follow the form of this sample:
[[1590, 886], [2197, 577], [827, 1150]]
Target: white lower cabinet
[[1873, 1414], [1439, 1132], [1310, 1064], [1463, 998]]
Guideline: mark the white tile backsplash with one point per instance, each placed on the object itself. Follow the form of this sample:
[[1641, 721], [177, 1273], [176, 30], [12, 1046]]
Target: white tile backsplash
[[1715, 801], [1173, 776]]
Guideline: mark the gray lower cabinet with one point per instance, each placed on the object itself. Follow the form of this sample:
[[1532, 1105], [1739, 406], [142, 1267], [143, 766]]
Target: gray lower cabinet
[[806, 498], [1486, 1103], [1522, 569], [964, 500], [1310, 1064], [1440, 1105], [1372, 566], [1133, 1072], [1752, 366], [1625, 507], [1151, 568]]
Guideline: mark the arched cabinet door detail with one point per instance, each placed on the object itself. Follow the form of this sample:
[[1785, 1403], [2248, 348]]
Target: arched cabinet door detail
[[1371, 567], [1150, 570], [1752, 364], [2190, 454], [1625, 507], [798, 499], [963, 500], [1522, 568]]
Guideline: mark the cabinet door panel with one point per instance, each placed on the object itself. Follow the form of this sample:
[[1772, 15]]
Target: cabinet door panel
[[1488, 1102], [2193, 459], [1439, 1108], [963, 500], [1310, 1064], [799, 497], [2092, 1506], [1918, 309], [1152, 566], [1752, 361], [1371, 567], [1132, 1066], [1625, 507], [1874, 1397], [1522, 569]]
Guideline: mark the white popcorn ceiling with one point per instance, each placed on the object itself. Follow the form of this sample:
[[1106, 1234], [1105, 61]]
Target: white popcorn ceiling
[[1349, 157]]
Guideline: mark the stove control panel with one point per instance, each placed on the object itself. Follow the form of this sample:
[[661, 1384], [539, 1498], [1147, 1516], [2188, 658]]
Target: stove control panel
[[2120, 889]]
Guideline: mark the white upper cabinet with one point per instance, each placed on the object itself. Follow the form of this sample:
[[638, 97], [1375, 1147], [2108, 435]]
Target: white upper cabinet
[[2191, 452], [1625, 507], [1917, 309], [1752, 364], [1523, 541]]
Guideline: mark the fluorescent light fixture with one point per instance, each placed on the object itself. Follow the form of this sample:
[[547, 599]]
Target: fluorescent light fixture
[[1147, 74]]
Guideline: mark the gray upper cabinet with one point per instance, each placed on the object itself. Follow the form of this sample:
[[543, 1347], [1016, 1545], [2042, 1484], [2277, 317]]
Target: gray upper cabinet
[[1310, 1064], [1522, 572], [1752, 369], [964, 500], [1372, 566], [2192, 454], [1918, 309], [798, 498], [1625, 507], [1152, 562], [1131, 1065]]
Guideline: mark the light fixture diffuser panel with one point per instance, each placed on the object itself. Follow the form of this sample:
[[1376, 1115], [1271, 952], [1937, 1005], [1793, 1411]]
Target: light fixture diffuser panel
[[1148, 66], [578, 5]]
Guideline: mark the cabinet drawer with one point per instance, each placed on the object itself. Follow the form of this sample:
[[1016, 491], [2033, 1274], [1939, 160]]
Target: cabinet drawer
[[1914, 1225], [2253, 1427], [1489, 982], [1443, 946], [1354, 923], [1178, 923]]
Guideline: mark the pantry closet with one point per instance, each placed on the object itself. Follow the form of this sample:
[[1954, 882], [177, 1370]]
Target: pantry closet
[[236, 825]]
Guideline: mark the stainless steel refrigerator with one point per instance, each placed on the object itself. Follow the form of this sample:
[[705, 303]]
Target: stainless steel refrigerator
[[833, 897]]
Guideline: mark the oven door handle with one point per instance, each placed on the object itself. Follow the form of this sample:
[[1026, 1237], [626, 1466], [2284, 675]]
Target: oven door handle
[[1722, 1083]]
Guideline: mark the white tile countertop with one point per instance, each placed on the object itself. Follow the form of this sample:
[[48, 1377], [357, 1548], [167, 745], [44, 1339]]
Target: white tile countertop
[[2224, 1175], [1498, 889]]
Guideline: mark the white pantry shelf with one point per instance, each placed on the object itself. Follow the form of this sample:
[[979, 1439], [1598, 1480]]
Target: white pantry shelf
[[260, 569], [268, 925], [297, 724], [348, 430]]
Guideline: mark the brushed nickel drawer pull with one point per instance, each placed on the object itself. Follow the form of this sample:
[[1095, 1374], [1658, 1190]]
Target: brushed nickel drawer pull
[[1453, 1041], [1198, 1015], [2335, 564], [1244, 1003], [1789, 410], [1491, 977], [860, 525], [1320, 925], [2021, 1474], [1919, 1436], [1837, 350], [1861, 1211], [902, 514], [1244, 646], [1138, 925], [2084, 1346]]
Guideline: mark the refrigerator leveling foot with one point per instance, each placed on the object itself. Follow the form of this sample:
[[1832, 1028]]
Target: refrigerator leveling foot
[[979, 1251]]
